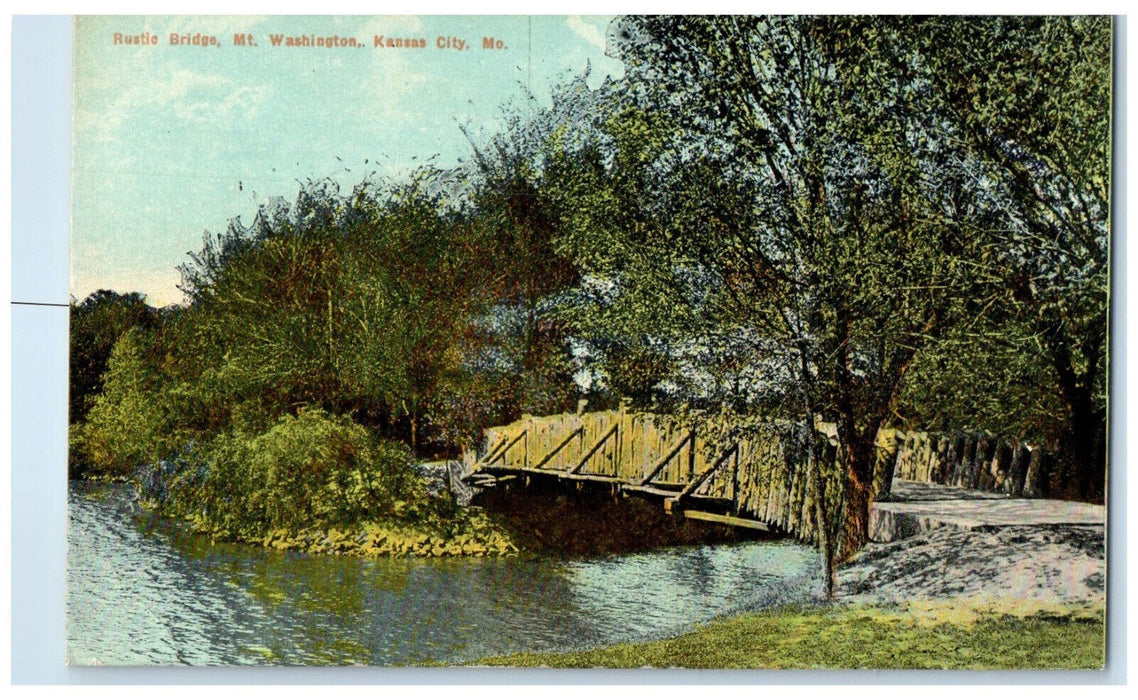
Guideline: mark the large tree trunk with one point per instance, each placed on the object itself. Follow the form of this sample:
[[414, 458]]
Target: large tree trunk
[[1083, 446], [816, 460], [860, 457], [1084, 453]]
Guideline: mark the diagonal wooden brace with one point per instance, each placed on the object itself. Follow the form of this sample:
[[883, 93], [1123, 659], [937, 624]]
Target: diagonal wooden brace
[[557, 449], [502, 453], [698, 481], [592, 450], [667, 458], [490, 454]]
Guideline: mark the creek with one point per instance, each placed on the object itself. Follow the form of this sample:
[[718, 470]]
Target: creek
[[144, 591]]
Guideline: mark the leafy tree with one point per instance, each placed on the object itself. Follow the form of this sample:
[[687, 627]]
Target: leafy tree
[[517, 348], [97, 323], [1029, 99], [350, 303], [764, 197], [134, 420]]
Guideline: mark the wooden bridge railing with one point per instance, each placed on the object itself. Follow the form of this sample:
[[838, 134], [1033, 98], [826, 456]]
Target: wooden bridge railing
[[978, 461], [754, 481]]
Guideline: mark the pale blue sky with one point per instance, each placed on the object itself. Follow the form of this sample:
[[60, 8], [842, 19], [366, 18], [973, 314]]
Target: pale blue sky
[[171, 141]]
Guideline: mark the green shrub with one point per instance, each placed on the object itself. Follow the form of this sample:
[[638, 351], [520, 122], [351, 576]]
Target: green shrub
[[130, 423], [96, 324], [312, 470]]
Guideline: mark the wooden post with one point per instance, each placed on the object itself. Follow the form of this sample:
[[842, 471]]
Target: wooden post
[[691, 455], [955, 457], [623, 433], [884, 467], [983, 454], [1017, 470], [970, 447], [1035, 480], [925, 465], [912, 445], [902, 450], [943, 460], [528, 420], [1001, 465], [735, 483], [986, 479]]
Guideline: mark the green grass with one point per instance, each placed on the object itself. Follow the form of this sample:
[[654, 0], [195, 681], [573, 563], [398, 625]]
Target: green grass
[[908, 637]]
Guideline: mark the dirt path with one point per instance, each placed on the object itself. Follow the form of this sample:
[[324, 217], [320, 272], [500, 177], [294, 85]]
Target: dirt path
[[1032, 565]]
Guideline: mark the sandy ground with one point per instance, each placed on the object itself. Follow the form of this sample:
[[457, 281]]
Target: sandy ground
[[1034, 565]]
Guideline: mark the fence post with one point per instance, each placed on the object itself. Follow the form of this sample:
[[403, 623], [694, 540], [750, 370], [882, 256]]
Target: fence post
[[955, 457], [1035, 480], [691, 455], [979, 460], [885, 467]]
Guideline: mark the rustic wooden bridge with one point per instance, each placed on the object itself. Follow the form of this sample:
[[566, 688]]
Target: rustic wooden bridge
[[757, 479], [760, 481]]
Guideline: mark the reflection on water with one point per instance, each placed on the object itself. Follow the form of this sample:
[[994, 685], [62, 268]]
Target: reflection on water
[[143, 592]]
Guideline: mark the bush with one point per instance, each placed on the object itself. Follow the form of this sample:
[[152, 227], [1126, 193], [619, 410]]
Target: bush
[[96, 324], [312, 470], [130, 423]]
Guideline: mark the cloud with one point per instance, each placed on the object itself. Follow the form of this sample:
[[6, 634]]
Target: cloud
[[104, 120], [242, 102], [591, 33]]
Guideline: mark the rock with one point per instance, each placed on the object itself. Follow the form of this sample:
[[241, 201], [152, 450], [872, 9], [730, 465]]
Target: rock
[[437, 476], [463, 492]]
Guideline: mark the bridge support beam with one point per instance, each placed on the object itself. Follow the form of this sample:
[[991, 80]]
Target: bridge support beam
[[724, 519]]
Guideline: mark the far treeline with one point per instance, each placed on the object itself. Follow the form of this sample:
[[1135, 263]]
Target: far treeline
[[882, 222]]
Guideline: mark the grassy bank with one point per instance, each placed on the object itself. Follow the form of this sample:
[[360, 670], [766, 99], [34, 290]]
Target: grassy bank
[[319, 483], [464, 534], [942, 636]]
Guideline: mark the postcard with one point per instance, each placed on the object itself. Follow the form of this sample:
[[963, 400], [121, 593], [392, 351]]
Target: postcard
[[569, 341]]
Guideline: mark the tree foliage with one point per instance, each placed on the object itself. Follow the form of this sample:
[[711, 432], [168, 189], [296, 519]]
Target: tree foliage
[[867, 221], [764, 201], [1029, 101], [97, 323]]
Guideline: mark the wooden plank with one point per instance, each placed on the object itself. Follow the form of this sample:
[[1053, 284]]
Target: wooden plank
[[596, 446], [523, 470], [485, 480], [667, 458], [549, 456], [591, 477], [650, 490], [725, 519]]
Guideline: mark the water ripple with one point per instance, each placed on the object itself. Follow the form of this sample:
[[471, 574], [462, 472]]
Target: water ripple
[[143, 592]]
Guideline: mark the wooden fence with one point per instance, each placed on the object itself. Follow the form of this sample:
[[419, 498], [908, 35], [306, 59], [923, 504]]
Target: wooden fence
[[978, 461], [760, 475]]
